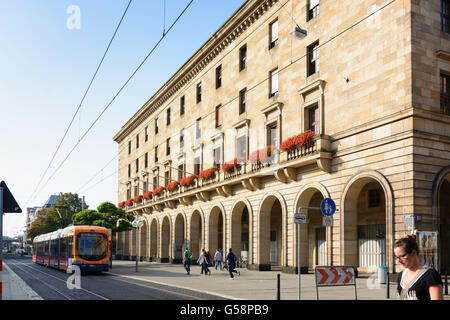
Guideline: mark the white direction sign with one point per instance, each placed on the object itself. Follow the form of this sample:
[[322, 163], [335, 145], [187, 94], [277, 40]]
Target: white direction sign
[[327, 221], [300, 218]]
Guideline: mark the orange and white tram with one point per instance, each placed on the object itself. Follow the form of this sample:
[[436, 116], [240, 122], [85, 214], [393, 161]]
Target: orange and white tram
[[84, 246]]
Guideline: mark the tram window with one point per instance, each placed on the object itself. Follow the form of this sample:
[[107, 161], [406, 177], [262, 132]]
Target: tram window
[[70, 247], [63, 247]]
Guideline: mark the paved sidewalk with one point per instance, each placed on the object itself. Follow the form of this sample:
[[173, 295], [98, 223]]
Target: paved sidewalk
[[14, 288], [250, 285]]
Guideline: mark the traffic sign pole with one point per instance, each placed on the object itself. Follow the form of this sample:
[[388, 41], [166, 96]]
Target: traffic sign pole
[[1, 240]]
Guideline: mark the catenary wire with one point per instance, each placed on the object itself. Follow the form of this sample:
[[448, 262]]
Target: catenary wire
[[81, 102], [115, 96]]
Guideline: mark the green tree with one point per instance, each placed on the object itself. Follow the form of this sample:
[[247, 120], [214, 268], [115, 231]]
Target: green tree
[[49, 219]]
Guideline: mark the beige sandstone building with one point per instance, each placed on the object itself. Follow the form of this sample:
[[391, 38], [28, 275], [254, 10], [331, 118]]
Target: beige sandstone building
[[371, 79]]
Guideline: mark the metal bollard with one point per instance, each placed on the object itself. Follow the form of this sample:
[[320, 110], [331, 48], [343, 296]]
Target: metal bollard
[[278, 286], [387, 283]]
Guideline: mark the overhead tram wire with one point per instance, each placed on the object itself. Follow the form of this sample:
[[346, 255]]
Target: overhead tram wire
[[117, 94], [81, 102], [257, 84]]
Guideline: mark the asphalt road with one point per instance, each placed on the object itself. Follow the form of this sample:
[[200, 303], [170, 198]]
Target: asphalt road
[[52, 284]]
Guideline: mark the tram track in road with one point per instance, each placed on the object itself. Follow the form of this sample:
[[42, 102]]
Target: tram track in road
[[67, 296]]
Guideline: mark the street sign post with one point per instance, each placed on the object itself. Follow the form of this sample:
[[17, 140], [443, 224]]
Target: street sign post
[[7, 205]]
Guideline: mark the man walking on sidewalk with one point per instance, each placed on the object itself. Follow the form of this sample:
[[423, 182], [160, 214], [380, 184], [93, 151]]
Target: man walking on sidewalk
[[218, 259], [187, 260], [231, 260]]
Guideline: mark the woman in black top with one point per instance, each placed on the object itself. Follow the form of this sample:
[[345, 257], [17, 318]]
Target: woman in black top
[[416, 282]]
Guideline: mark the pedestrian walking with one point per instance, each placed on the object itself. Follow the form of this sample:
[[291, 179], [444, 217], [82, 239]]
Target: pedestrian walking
[[218, 259], [203, 261], [231, 261], [416, 282], [187, 260]]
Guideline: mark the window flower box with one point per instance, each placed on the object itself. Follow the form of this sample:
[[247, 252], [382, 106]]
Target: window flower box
[[297, 141], [137, 199], [208, 174], [172, 186], [129, 202], [147, 195], [121, 204], [158, 191], [188, 181]]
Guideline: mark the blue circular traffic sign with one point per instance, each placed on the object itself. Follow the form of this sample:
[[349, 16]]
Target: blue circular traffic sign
[[328, 207]]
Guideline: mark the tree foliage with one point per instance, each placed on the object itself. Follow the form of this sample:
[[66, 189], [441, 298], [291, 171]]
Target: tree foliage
[[48, 219]]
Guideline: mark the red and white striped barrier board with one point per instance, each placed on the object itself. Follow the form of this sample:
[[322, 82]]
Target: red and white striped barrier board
[[327, 276], [334, 276]]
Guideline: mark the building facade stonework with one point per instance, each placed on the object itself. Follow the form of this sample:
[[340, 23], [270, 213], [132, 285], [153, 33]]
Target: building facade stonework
[[369, 80]]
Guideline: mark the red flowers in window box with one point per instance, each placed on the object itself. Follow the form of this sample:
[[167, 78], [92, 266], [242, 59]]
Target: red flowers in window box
[[208, 173], [297, 141], [129, 202], [232, 165], [158, 191], [172, 186], [121, 204], [260, 155], [137, 199], [147, 195], [188, 181]]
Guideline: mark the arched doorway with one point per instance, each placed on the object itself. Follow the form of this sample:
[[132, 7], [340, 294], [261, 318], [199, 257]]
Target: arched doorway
[[154, 240], [143, 241], [271, 233], [313, 246], [216, 231], [165, 240], [196, 232], [180, 240], [367, 223], [240, 232]]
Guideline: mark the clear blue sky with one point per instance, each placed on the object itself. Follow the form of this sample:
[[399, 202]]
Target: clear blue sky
[[45, 68]]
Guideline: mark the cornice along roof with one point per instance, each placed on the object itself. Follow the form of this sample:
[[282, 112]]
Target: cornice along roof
[[243, 18]]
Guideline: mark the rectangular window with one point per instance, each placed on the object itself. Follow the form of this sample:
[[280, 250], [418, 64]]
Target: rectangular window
[[156, 154], [217, 157], [313, 58], [218, 77], [181, 139], [168, 146], [137, 141], [218, 116], [137, 165], [272, 135], [145, 186], [198, 130], [445, 16], [199, 92], [242, 100], [136, 190], [273, 34], [146, 160], [273, 83], [243, 57], [313, 119], [129, 147], [129, 170], [168, 116], [146, 134], [374, 198], [182, 105], [180, 172], [155, 182], [156, 126], [197, 166], [166, 178], [313, 9], [445, 94], [241, 147], [129, 192]]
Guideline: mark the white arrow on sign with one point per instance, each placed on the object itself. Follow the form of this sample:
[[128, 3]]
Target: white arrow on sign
[[300, 218]]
